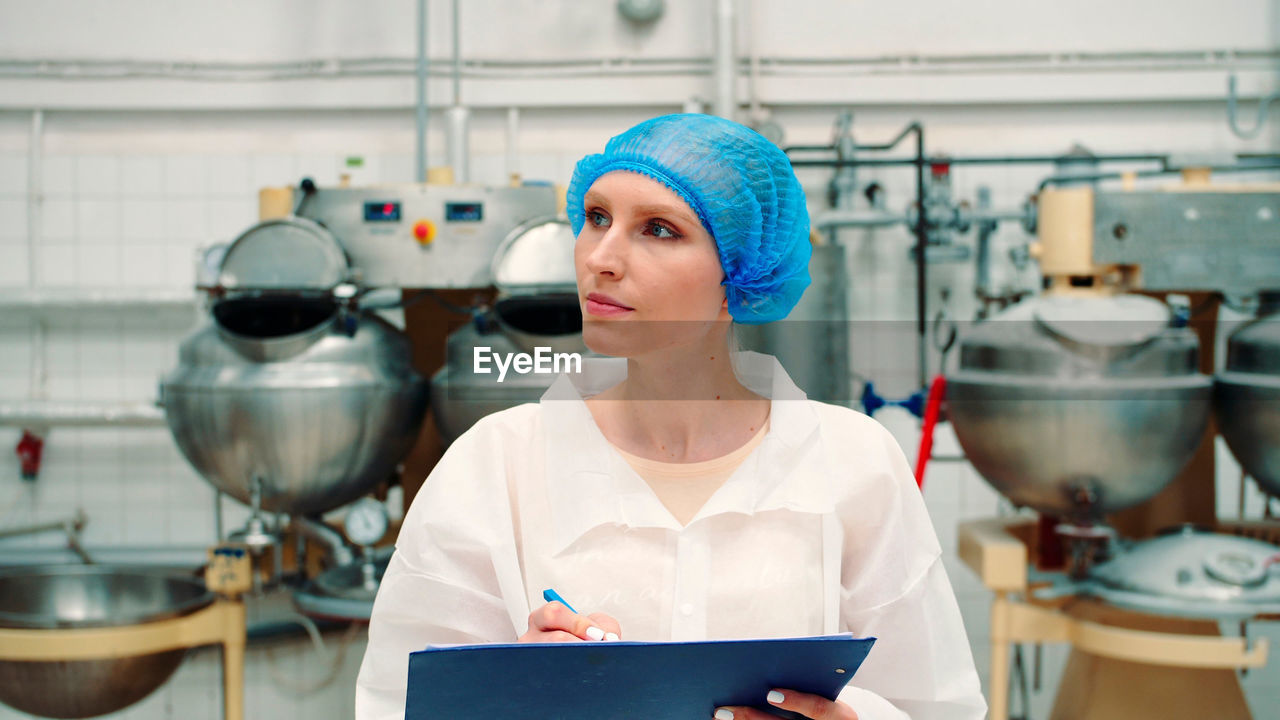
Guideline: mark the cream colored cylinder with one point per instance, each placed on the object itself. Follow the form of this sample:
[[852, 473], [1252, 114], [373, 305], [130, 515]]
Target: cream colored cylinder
[[275, 202], [1065, 221]]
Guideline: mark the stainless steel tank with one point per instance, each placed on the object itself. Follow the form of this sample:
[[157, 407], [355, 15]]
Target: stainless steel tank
[[1248, 399], [537, 306], [291, 386], [1079, 406], [80, 596]]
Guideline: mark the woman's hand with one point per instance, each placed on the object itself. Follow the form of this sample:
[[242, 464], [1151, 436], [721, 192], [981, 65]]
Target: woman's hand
[[815, 707], [554, 622]]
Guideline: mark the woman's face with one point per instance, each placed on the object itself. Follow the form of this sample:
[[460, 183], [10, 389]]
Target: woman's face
[[648, 272]]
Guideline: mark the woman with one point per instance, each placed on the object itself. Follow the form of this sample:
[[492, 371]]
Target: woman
[[676, 491]]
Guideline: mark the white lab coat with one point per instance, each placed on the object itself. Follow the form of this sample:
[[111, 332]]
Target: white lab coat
[[820, 530]]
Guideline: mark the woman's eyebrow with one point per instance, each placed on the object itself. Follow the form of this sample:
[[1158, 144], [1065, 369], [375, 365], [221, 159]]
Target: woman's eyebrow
[[680, 213], [593, 198]]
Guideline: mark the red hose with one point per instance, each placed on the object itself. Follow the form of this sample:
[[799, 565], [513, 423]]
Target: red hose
[[932, 407]]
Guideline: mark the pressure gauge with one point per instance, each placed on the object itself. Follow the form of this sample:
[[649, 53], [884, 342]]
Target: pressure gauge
[[366, 521]]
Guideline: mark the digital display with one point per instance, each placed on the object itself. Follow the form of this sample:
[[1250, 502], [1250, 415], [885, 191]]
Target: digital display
[[464, 212], [382, 211]]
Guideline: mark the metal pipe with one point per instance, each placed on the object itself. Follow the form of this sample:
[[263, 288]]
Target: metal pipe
[[326, 536], [970, 160], [70, 526], [983, 254], [457, 55], [39, 388], [858, 218], [38, 528], [913, 64], [922, 277], [217, 515], [69, 414], [39, 361], [875, 219], [1055, 179], [845, 182], [918, 229], [171, 557], [1261, 118], [57, 300], [753, 59], [420, 86], [35, 191], [513, 144], [459, 121], [725, 60], [459, 117]]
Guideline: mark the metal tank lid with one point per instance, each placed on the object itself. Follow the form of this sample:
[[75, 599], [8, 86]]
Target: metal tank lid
[[1194, 573], [1102, 322], [284, 254], [1065, 336], [536, 257], [1255, 347]]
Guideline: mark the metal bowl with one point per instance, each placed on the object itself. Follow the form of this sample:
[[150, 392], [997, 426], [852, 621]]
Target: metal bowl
[[318, 425], [345, 592], [1248, 399], [1074, 450], [1079, 407], [460, 396], [80, 596]]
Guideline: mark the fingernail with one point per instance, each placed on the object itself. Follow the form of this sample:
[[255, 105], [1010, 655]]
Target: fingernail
[[775, 697], [596, 633], [612, 637], [723, 714]]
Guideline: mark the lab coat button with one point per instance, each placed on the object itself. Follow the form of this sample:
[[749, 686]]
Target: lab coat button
[[686, 609]]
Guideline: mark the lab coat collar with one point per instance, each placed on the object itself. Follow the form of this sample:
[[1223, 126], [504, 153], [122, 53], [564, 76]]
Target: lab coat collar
[[590, 484]]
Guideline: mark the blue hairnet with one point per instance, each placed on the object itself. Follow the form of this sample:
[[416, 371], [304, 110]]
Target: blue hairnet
[[741, 187]]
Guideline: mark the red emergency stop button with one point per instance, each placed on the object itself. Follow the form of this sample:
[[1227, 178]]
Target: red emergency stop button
[[424, 231]]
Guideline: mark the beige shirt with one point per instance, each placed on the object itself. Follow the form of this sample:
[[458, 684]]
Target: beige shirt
[[684, 488]]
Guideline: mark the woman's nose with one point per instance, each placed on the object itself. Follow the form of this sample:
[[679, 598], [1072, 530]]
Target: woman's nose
[[607, 255]]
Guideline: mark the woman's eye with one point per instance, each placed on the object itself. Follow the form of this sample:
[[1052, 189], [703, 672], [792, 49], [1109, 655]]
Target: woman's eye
[[659, 230], [597, 219]]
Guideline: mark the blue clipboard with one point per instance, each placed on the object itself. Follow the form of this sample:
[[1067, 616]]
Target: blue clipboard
[[617, 680]]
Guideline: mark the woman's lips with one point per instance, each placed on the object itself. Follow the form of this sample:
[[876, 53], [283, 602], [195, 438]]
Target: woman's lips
[[604, 306]]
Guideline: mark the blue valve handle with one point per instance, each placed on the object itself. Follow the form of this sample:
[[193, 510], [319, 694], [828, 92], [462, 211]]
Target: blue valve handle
[[871, 401]]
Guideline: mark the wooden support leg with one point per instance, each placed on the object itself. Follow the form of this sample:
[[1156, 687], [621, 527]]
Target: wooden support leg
[[998, 694], [233, 665]]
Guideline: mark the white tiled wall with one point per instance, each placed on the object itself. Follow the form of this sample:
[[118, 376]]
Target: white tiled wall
[[123, 209]]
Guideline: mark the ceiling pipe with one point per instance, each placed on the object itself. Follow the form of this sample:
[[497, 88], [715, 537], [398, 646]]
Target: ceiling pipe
[[420, 85], [725, 60], [459, 117]]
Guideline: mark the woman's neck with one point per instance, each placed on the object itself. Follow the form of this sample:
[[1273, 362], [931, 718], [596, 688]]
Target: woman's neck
[[680, 404]]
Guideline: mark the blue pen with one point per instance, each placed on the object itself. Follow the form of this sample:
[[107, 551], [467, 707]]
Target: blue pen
[[552, 596]]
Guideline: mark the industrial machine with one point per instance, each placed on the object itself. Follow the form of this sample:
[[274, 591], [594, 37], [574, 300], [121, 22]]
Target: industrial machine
[[297, 397], [536, 307], [79, 641], [1248, 399], [1090, 400]]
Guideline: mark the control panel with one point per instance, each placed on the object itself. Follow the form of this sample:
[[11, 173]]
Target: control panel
[[426, 236]]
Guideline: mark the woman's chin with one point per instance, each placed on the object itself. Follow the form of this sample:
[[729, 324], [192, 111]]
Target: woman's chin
[[634, 339], [612, 339]]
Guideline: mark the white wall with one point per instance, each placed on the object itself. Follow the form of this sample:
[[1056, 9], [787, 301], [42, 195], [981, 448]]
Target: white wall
[[140, 172]]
